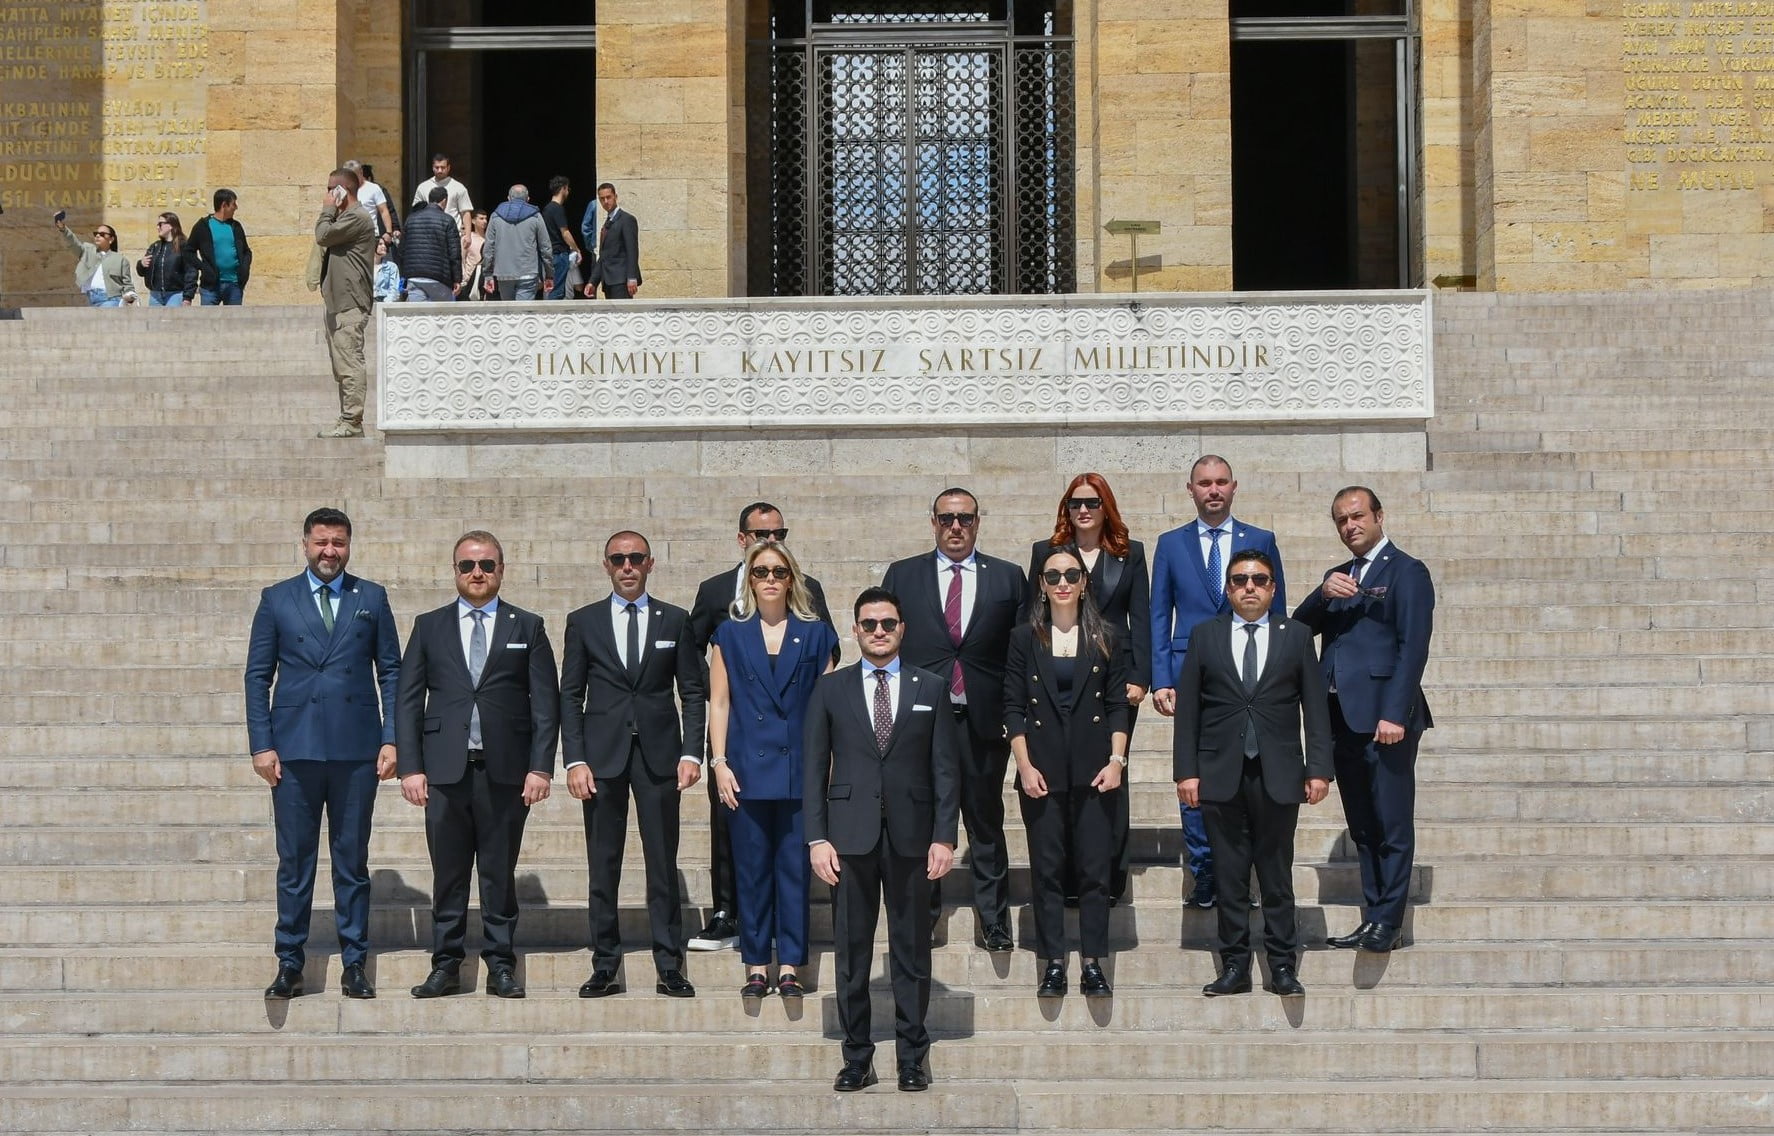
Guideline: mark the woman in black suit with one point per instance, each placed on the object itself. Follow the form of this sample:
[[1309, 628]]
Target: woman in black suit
[[1121, 586], [1065, 709]]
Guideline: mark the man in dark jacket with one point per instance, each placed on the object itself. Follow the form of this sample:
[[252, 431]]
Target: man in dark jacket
[[217, 251], [431, 253]]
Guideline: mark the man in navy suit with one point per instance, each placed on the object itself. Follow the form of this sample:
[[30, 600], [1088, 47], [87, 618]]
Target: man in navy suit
[[617, 267], [959, 606], [1189, 587], [1375, 615], [327, 639]]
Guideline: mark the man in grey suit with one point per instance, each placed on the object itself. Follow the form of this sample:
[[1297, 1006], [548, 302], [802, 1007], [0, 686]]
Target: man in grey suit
[[618, 264], [881, 805], [479, 715], [1248, 681]]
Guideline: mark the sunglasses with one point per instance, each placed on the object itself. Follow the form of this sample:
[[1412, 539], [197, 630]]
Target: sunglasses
[[965, 520], [888, 625], [103, 233], [769, 571], [632, 559], [464, 567], [767, 534], [1069, 575], [1240, 579], [1091, 503]]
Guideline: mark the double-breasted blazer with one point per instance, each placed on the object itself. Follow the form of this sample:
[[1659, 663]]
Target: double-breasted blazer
[[767, 702], [1069, 745], [1121, 588]]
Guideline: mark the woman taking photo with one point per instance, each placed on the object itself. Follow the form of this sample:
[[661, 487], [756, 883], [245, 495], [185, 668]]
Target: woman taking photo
[[103, 273], [163, 269], [1065, 709], [762, 668], [1121, 587]]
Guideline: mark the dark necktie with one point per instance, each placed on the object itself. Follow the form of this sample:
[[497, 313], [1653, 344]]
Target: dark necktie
[[1216, 572], [477, 663], [883, 711], [1250, 687], [633, 661], [951, 613], [1357, 568], [325, 595]]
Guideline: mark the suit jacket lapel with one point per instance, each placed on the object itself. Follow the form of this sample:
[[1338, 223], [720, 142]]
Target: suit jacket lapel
[[504, 624], [908, 697], [757, 658], [311, 602], [1110, 572], [864, 706], [1193, 535], [350, 603], [982, 576], [603, 636], [781, 671]]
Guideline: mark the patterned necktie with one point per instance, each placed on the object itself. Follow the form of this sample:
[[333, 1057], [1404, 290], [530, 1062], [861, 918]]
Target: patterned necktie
[[951, 613], [883, 711], [1357, 568], [477, 662], [633, 661], [325, 595], [1216, 572], [1250, 687]]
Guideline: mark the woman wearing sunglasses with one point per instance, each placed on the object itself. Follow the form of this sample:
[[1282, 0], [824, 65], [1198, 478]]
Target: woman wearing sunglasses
[[762, 667], [1121, 587], [170, 281], [103, 273], [1065, 709]]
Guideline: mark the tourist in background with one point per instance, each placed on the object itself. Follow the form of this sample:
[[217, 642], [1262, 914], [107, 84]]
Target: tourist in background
[[217, 251], [163, 269], [372, 199], [473, 262], [431, 251], [1065, 710], [762, 668], [103, 272], [347, 241], [1090, 520], [519, 265]]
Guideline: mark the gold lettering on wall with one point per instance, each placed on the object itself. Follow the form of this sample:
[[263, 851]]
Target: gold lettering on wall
[[1699, 94]]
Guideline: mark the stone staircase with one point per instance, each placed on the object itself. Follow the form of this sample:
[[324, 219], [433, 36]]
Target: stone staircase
[[1593, 902]]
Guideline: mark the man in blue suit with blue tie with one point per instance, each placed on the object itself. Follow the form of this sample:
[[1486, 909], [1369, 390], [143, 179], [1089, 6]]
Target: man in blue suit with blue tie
[[321, 740], [1189, 588], [1374, 616]]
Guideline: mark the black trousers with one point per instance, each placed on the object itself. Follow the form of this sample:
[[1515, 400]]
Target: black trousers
[[984, 760], [864, 882], [1252, 830], [474, 821], [1378, 784], [606, 832], [725, 892], [1071, 834]]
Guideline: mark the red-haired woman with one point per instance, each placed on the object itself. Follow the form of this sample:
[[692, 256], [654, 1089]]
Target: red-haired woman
[[1120, 583]]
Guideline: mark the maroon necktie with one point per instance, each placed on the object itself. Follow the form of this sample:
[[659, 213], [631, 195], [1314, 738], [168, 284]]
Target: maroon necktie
[[883, 711], [951, 611]]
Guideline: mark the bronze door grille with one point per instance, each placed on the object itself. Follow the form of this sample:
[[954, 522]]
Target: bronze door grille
[[920, 161]]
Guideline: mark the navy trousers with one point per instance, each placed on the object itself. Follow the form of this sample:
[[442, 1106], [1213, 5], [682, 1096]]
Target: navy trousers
[[1378, 784], [346, 792]]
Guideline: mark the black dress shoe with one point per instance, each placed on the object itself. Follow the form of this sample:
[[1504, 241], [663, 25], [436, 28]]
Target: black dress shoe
[[913, 1078], [1284, 982], [355, 984], [1092, 983], [673, 984], [789, 986], [442, 980], [502, 983], [287, 984], [1381, 938], [757, 985], [1203, 895], [1053, 981], [855, 1076], [1235, 979], [601, 984], [1352, 940], [997, 939]]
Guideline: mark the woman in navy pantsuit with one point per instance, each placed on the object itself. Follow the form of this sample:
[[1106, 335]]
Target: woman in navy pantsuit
[[761, 674]]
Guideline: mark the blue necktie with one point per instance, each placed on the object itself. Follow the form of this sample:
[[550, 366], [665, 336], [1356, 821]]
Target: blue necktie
[[1215, 570]]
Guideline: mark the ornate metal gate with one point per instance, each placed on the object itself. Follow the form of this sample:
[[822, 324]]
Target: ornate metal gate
[[919, 148]]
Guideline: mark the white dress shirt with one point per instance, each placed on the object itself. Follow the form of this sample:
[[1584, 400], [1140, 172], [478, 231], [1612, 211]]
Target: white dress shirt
[[869, 682], [619, 623], [1202, 528], [969, 589], [465, 623], [1239, 635], [1373, 558]]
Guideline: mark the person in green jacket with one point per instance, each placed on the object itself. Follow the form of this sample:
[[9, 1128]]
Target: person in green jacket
[[103, 273], [346, 238]]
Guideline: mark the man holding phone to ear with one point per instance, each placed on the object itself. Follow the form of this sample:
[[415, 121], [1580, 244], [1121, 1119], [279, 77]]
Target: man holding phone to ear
[[347, 240]]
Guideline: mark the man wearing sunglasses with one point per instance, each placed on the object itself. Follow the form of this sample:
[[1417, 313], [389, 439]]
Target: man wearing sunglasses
[[959, 607], [1189, 586], [621, 736], [1249, 683], [479, 716], [1375, 614], [715, 598]]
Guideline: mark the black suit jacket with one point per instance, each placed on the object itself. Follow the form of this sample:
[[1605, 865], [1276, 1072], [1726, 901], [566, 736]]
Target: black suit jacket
[[1068, 746], [601, 708], [518, 697], [1212, 712], [1121, 586], [851, 790], [619, 253], [1000, 602], [714, 606]]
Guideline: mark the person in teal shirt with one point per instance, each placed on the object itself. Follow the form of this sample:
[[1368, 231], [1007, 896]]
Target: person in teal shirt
[[218, 252]]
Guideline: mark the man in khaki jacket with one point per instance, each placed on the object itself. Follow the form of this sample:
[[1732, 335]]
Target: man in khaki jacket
[[346, 239]]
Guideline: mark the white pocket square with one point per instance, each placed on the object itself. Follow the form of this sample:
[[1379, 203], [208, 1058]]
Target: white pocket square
[[658, 643], [515, 646], [915, 706]]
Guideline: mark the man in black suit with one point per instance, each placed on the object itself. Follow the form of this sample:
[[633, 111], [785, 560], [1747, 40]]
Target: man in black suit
[[715, 598], [618, 265], [478, 718], [621, 733], [1248, 681], [959, 608], [881, 798]]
